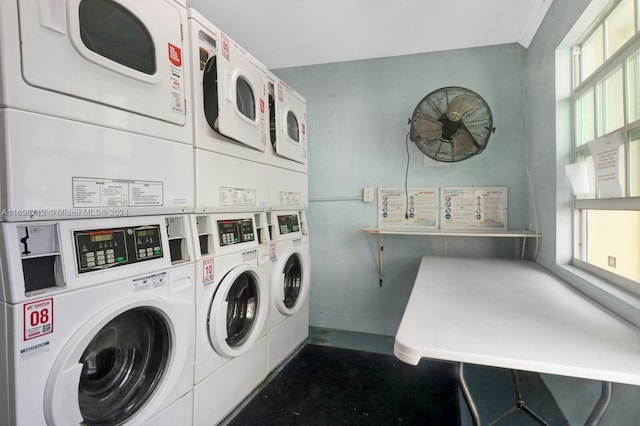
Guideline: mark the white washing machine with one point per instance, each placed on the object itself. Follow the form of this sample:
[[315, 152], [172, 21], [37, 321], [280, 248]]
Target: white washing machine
[[287, 150], [98, 322], [92, 109], [229, 111], [232, 302], [288, 323]]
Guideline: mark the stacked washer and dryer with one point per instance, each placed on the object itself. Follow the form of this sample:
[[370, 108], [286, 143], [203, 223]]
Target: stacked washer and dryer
[[97, 265], [239, 176], [288, 322], [155, 258]]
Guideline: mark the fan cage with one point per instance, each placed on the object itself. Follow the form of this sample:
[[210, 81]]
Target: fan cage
[[451, 124]]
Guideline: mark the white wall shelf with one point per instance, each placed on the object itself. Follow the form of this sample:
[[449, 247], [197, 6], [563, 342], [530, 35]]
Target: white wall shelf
[[517, 234]]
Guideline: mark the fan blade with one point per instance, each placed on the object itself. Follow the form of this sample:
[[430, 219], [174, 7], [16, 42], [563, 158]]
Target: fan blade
[[426, 127], [462, 104], [462, 142]]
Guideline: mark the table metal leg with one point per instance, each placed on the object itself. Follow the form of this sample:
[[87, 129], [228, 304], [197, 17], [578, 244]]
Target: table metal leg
[[464, 388], [601, 405], [520, 404], [594, 418]]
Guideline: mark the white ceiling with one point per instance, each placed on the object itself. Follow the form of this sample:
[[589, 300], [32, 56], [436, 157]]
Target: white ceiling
[[286, 33]]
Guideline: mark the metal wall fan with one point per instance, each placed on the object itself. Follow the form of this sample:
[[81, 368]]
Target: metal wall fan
[[451, 124]]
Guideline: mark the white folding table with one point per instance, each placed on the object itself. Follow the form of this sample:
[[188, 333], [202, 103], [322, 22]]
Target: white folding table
[[513, 314]]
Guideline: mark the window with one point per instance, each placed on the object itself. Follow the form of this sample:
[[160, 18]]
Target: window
[[606, 105]]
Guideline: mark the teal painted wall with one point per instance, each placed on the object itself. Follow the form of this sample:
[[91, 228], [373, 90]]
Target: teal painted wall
[[358, 114]]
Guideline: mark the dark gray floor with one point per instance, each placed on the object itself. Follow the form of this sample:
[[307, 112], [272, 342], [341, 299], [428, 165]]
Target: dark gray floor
[[492, 388]]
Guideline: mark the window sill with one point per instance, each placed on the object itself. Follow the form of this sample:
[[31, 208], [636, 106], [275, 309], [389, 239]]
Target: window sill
[[617, 300]]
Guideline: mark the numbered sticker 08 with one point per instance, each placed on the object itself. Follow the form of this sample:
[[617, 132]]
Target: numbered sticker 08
[[38, 318]]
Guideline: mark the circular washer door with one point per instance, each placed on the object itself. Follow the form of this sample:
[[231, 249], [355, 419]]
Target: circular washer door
[[291, 282], [114, 367], [122, 365], [238, 311]]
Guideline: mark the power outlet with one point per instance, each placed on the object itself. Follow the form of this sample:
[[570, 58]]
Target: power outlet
[[367, 194], [612, 261]]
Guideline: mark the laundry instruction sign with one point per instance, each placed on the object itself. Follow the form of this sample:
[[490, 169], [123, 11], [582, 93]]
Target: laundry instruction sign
[[474, 208], [408, 207]]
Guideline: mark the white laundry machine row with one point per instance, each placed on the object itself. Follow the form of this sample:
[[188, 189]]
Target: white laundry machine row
[[93, 110], [98, 320], [233, 271], [287, 150], [288, 322]]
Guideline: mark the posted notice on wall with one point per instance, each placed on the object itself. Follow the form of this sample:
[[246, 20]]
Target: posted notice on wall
[[606, 161], [411, 207], [474, 208]]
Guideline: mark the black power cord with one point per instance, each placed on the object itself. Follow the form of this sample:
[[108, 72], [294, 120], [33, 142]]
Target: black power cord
[[406, 179]]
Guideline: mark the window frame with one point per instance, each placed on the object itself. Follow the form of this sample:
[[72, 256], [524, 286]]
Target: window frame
[[579, 87]]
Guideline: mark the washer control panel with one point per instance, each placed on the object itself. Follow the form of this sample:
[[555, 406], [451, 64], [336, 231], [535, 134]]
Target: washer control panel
[[236, 231], [288, 223], [98, 249]]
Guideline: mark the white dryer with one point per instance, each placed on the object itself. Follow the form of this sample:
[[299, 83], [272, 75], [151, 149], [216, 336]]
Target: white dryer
[[230, 128], [92, 108], [232, 302], [287, 150], [98, 322], [114, 63], [288, 323]]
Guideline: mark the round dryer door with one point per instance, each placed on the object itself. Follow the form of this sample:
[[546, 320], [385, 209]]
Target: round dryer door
[[238, 311], [291, 283], [116, 367]]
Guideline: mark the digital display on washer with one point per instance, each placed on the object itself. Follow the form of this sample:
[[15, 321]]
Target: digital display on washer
[[235, 231], [288, 223], [98, 249], [102, 237]]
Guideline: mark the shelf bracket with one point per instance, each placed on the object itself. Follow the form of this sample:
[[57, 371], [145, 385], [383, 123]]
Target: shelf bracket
[[380, 259]]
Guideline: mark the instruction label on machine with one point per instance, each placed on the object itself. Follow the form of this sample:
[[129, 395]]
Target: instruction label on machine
[[175, 78], [237, 197], [34, 350], [474, 208], [290, 198], [411, 207], [150, 281], [98, 192], [37, 318]]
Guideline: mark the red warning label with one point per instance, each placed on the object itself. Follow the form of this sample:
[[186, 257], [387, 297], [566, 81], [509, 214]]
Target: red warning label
[[175, 55], [272, 251], [226, 48], [207, 271], [38, 318]]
